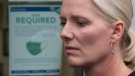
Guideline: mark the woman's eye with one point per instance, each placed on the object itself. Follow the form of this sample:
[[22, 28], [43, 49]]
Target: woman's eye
[[63, 23], [81, 23]]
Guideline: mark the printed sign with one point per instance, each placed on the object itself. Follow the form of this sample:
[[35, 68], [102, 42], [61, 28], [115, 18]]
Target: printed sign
[[34, 42]]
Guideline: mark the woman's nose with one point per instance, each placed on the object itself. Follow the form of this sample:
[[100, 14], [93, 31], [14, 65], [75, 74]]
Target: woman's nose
[[66, 33]]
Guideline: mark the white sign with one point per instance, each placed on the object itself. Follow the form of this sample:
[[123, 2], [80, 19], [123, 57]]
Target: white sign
[[35, 45], [133, 21], [35, 0]]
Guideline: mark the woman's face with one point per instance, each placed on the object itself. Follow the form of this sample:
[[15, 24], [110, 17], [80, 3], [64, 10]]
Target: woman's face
[[85, 33]]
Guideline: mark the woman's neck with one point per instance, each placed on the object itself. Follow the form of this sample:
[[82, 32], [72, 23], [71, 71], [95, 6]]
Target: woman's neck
[[111, 66]]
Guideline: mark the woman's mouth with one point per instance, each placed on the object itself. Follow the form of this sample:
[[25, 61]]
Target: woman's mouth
[[70, 49]]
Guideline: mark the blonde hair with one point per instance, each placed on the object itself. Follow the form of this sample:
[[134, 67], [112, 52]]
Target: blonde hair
[[114, 10]]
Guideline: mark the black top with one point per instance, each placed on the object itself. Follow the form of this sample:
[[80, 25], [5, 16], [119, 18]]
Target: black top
[[132, 74]]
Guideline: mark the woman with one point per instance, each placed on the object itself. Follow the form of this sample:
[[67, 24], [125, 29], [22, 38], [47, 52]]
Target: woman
[[97, 36]]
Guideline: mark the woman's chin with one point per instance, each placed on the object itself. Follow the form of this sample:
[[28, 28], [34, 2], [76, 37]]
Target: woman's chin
[[74, 63]]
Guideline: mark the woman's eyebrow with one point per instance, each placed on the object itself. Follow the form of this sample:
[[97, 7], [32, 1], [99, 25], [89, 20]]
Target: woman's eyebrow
[[61, 17], [73, 17], [76, 17]]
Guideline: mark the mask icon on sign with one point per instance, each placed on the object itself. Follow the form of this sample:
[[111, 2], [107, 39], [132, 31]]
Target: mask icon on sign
[[35, 48]]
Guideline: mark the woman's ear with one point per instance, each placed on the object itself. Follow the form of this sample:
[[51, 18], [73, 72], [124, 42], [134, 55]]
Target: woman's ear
[[118, 30]]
